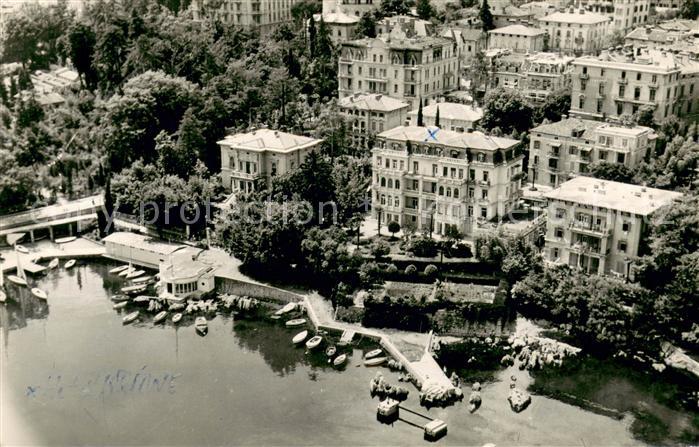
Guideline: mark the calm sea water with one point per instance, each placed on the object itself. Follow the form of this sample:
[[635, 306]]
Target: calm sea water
[[72, 374]]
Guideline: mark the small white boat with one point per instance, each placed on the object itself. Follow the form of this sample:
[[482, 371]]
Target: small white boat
[[143, 298], [340, 359], [119, 269], [330, 351], [37, 292], [17, 280], [119, 298], [135, 274], [160, 316], [296, 322], [286, 309], [132, 290], [70, 263], [372, 354], [176, 306], [127, 271], [64, 240], [376, 361], [54, 263], [22, 249], [314, 342], [201, 325], [130, 317], [298, 338], [120, 305], [176, 318], [275, 317], [141, 280]]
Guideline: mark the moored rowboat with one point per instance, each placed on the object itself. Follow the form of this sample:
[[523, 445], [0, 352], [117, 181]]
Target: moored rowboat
[[130, 317], [376, 361], [135, 274], [37, 292], [132, 290], [119, 298], [286, 309], [22, 249], [54, 263], [330, 351], [176, 306], [314, 342], [142, 279], [70, 263], [144, 298], [160, 316], [340, 359], [17, 280], [127, 271], [296, 322], [374, 353], [119, 269], [120, 305], [63, 240], [176, 318], [201, 325], [298, 338]]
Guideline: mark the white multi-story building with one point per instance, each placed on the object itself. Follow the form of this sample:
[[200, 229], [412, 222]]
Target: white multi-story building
[[371, 114], [558, 151], [435, 178], [575, 32], [624, 14], [536, 75], [620, 83], [598, 226], [259, 14], [406, 68], [452, 116], [259, 155], [518, 38]]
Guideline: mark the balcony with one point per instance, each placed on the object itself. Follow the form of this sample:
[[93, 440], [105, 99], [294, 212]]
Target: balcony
[[484, 183], [584, 76], [593, 230], [623, 81], [583, 248]]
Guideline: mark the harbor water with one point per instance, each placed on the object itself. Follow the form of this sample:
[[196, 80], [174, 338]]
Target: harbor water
[[72, 373]]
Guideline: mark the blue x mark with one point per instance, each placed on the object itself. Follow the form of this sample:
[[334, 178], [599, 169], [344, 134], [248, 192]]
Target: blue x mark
[[432, 134]]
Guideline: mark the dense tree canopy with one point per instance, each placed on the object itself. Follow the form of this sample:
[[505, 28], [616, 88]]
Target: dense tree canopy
[[507, 110]]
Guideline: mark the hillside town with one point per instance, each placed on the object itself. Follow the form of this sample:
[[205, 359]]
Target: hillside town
[[493, 202]]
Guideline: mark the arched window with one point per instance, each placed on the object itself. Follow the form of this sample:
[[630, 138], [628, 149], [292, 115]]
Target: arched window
[[390, 183], [441, 190], [397, 184], [456, 193], [448, 192], [397, 202], [383, 199], [383, 181]]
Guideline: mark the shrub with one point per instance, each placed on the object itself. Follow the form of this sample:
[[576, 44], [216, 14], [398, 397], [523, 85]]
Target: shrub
[[393, 227], [423, 247], [380, 248], [392, 269], [369, 274], [431, 270], [411, 269]]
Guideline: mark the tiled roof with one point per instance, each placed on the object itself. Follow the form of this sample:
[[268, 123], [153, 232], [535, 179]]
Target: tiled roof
[[519, 30], [452, 110], [464, 140], [652, 35], [613, 195], [336, 18], [571, 17], [565, 127], [268, 139], [372, 102]]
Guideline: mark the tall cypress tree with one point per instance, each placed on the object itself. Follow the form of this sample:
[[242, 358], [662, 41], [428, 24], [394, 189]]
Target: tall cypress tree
[[419, 114], [486, 17], [436, 118], [312, 37]]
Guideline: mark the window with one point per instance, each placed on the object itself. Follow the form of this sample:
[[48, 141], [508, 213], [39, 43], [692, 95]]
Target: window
[[441, 190], [602, 155], [537, 144], [600, 103], [456, 193], [461, 173], [484, 194], [651, 94], [416, 166], [621, 246], [394, 164], [620, 158], [622, 91], [470, 211], [626, 227], [560, 213], [445, 171], [448, 192], [638, 76], [397, 184], [434, 170], [619, 108], [390, 183], [471, 193], [484, 213], [623, 75], [581, 103], [558, 233], [654, 79], [637, 93], [383, 181]]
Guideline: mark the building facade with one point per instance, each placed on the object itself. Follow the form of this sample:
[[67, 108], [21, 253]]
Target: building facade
[[518, 38], [623, 14], [621, 82], [371, 114], [452, 116], [575, 32], [259, 14], [536, 76], [598, 226], [254, 158], [406, 68], [436, 178], [559, 151]]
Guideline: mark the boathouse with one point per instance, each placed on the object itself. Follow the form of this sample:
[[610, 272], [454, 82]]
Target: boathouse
[[184, 273], [138, 249]]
